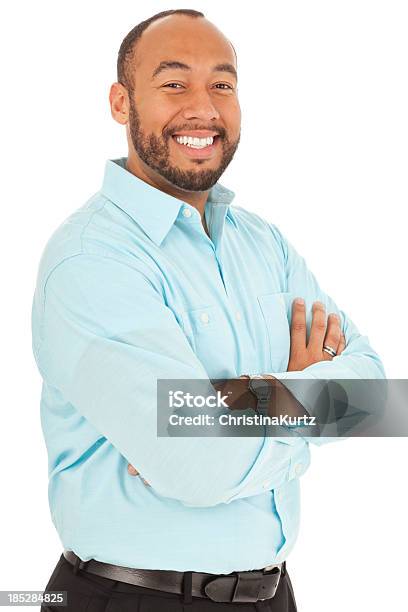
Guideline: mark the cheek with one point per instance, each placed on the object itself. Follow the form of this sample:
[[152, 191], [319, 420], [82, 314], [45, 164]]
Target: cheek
[[155, 115], [232, 119]]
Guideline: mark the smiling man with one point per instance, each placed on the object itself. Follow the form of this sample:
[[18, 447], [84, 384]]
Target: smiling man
[[158, 276], [177, 94]]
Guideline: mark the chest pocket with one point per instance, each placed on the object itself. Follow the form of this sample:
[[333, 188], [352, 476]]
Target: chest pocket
[[276, 308], [210, 337]]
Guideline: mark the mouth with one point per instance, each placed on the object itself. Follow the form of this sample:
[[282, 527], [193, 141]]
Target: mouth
[[195, 146]]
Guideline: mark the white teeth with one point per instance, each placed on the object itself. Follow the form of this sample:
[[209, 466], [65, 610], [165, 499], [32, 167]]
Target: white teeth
[[195, 143]]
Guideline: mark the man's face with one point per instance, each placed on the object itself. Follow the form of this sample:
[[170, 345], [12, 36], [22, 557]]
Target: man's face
[[184, 116]]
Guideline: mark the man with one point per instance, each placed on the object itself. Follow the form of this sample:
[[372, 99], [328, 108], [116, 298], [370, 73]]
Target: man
[[158, 277]]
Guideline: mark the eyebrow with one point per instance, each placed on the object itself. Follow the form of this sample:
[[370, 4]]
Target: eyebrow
[[174, 64]]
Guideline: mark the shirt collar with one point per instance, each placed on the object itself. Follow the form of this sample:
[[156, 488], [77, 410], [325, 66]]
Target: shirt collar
[[154, 210]]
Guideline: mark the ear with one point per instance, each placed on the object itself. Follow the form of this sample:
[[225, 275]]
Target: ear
[[119, 103]]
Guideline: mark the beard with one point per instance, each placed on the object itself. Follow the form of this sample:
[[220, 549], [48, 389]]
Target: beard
[[155, 153]]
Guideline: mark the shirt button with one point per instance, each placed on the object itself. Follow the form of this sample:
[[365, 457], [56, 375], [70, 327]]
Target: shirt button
[[266, 485], [187, 212], [204, 318], [238, 315], [299, 468]]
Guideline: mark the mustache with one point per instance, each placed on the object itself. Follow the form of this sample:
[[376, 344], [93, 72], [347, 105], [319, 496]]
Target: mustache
[[168, 132]]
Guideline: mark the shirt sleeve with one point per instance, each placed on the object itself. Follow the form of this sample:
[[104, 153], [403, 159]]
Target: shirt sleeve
[[106, 337], [357, 361]]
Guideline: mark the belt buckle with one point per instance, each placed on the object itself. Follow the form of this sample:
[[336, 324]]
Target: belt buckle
[[273, 570], [243, 587]]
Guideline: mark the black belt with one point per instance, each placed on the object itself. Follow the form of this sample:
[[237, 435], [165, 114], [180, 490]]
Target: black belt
[[244, 587]]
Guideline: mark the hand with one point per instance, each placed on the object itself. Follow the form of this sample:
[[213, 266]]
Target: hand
[[330, 334], [133, 472]]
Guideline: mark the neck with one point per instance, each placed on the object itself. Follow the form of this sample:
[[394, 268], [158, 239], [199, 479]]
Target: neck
[[195, 198]]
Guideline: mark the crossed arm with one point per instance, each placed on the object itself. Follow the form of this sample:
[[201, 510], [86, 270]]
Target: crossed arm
[[107, 336], [325, 331]]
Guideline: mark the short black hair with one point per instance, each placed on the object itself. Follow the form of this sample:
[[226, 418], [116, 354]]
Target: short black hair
[[127, 48]]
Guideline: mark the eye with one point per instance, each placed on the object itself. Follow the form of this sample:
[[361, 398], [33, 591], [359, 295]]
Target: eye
[[225, 86], [173, 85]]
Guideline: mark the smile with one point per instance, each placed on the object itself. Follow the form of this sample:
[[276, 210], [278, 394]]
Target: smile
[[196, 147], [195, 143]]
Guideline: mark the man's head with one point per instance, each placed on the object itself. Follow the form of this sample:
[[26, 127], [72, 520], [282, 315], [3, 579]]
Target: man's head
[[177, 95]]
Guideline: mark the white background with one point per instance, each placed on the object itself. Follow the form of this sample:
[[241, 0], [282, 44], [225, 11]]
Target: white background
[[323, 155]]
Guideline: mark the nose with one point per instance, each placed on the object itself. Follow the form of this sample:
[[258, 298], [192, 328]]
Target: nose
[[200, 106]]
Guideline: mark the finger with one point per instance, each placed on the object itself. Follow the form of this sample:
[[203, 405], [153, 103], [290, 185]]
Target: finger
[[132, 471], [146, 483], [298, 326], [318, 328], [342, 344], [333, 334]]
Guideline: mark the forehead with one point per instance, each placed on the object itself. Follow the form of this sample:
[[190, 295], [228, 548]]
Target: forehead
[[194, 41]]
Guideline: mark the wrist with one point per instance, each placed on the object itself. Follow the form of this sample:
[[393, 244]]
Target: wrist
[[261, 387]]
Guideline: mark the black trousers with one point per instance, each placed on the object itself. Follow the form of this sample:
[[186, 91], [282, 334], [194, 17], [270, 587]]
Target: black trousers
[[88, 592]]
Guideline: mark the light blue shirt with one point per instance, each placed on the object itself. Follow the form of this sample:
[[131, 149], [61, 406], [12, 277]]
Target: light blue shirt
[[130, 290]]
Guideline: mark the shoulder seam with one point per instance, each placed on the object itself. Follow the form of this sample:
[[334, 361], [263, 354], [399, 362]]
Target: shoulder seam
[[104, 202], [92, 256], [81, 251]]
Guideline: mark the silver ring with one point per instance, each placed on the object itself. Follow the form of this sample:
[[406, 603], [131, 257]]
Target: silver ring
[[329, 350]]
